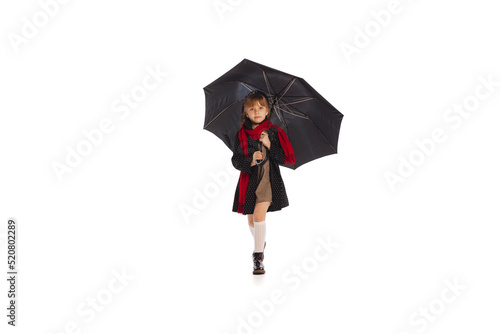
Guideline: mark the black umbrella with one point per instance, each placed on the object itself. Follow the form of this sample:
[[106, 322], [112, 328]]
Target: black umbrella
[[311, 123]]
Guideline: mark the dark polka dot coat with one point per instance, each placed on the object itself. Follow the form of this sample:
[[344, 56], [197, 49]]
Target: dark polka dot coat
[[276, 158]]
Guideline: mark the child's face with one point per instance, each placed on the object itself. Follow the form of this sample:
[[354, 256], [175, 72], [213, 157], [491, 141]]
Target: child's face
[[257, 112]]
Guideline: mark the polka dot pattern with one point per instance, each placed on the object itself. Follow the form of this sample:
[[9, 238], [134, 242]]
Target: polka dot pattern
[[276, 158]]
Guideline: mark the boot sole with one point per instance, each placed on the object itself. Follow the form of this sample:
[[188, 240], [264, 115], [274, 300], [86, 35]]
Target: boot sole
[[259, 272]]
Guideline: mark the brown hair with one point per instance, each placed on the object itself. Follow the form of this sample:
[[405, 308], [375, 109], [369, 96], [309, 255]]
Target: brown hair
[[250, 99]]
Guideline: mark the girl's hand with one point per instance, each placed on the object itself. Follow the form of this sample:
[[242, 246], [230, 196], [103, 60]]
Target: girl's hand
[[264, 138], [257, 155]]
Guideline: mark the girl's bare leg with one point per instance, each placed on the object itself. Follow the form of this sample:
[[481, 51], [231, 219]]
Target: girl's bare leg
[[259, 213], [250, 220]]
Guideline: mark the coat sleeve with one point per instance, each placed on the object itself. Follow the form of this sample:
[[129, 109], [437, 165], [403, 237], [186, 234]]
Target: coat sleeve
[[240, 162], [276, 152]]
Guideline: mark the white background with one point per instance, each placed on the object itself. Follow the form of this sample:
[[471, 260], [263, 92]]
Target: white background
[[119, 209]]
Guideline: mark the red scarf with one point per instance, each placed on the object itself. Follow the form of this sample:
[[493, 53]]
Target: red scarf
[[255, 135]]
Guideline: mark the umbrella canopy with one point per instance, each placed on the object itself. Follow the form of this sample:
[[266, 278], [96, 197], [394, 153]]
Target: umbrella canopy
[[311, 123]]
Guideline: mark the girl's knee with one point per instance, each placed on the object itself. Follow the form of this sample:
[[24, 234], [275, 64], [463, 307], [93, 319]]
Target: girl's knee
[[259, 218], [260, 211]]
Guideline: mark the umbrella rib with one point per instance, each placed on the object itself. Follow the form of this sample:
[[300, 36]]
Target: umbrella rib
[[287, 88], [334, 149], [267, 82], [246, 86], [294, 113], [326, 139], [299, 101], [213, 119], [277, 108], [321, 134]]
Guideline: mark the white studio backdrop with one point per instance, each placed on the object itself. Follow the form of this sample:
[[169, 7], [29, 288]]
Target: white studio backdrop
[[397, 233]]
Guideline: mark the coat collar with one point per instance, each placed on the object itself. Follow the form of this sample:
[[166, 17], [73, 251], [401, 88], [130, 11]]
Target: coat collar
[[248, 123]]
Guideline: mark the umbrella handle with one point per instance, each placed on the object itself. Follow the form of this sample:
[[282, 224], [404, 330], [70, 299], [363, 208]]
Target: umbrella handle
[[259, 162]]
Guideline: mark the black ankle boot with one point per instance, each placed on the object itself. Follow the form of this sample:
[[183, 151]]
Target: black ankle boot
[[258, 267]]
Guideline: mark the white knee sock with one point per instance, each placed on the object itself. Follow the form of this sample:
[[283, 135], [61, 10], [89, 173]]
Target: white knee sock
[[260, 236], [252, 230]]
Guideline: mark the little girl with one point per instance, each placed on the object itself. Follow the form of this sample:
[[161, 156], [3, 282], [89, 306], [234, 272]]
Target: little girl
[[259, 148]]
